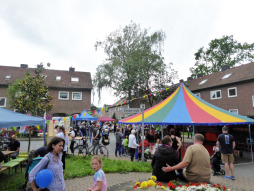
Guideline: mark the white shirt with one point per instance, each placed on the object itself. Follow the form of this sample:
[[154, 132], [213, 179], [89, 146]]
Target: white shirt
[[61, 135], [132, 142]]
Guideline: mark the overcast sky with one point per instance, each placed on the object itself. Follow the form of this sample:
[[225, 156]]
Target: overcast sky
[[64, 32]]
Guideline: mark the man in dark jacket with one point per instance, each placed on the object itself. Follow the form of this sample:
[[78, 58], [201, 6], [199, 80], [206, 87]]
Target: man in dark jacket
[[118, 135], [162, 156]]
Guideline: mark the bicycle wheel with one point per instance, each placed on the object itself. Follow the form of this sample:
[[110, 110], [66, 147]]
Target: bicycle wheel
[[102, 151], [79, 151]]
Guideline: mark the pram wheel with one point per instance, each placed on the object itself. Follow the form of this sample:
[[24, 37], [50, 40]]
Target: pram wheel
[[222, 171]]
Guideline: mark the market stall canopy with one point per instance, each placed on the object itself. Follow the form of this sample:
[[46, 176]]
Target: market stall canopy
[[184, 108], [13, 119], [84, 116], [104, 119]]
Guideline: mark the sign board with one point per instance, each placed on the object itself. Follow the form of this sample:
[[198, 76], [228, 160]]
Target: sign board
[[131, 110]]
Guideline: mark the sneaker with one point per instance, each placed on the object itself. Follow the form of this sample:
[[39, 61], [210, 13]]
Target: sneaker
[[227, 177], [232, 177]]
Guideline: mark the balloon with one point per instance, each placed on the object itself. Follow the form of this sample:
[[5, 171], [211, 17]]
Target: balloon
[[44, 178]]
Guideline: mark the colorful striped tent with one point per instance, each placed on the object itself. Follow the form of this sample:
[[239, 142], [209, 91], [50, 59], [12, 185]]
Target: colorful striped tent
[[184, 108]]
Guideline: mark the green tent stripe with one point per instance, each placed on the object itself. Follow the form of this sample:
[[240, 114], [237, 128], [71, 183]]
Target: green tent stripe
[[163, 112]]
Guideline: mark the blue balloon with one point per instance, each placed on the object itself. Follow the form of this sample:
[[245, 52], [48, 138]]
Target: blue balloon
[[44, 178]]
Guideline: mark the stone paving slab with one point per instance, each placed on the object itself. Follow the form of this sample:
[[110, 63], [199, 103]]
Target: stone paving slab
[[125, 182]]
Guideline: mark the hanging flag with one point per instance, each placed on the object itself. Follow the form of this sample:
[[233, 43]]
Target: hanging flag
[[14, 128], [106, 108], [37, 126], [84, 114], [22, 129], [48, 122], [74, 117], [55, 120], [93, 112], [89, 112], [59, 119], [121, 103], [102, 109], [40, 131], [64, 118], [98, 110]]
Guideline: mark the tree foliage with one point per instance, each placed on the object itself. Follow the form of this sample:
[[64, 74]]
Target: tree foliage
[[30, 95], [223, 51], [134, 62]]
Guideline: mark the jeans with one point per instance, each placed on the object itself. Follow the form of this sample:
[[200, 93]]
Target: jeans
[[15, 155], [118, 148]]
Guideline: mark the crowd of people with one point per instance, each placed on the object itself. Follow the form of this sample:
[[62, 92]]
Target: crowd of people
[[167, 162]]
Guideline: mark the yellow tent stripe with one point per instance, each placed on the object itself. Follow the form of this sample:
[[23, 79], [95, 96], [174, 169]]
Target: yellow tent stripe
[[153, 110], [217, 114]]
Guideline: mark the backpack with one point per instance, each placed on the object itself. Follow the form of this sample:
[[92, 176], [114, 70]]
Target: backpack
[[105, 140]]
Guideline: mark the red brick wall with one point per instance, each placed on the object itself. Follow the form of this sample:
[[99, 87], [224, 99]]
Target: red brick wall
[[63, 106], [243, 101]]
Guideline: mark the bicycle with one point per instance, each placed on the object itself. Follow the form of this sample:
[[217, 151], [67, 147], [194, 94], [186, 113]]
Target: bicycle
[[97, 149], [79, 149]]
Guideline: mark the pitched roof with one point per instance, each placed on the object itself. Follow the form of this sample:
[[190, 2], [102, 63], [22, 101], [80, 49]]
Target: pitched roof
[[238, 74], [85, 80]]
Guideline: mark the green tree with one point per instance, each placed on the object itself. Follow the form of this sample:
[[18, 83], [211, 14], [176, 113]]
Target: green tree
[[134, 62], [31, 95], [223, 51]]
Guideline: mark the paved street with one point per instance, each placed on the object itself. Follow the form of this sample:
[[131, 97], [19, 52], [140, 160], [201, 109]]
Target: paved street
[[244, 174]]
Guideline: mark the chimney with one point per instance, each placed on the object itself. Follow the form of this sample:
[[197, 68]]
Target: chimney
[[23, 65], [181, 81], [189, 78], [225, 67], [199, 75], [71, 69]]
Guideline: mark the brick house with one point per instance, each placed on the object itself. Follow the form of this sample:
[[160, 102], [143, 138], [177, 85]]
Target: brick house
[[231, 89], [71, 90]]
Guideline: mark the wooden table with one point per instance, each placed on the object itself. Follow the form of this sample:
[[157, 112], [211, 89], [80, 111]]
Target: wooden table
[[8, 154]]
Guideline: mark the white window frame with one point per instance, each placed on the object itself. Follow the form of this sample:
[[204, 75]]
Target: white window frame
[[198, 94], [253, 101], [231, 110], [203, 81], [235, 92], [4, 102], [7, 76], [76, 93], [74, 79], [63, 92], [216, 95], [58, 78]]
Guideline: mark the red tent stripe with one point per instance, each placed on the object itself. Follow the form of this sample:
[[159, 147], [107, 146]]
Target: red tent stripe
[[197, 114]]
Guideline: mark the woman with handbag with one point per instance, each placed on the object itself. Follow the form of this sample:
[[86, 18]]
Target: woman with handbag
[[53, 162]]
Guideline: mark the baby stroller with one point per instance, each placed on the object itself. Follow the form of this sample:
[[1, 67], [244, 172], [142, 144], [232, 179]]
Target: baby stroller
[[215, 161]]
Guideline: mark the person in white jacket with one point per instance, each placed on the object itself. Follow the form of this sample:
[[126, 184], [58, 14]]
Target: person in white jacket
[[132, 144]]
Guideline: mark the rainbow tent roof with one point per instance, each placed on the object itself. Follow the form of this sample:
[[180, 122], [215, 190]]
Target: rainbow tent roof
[[184, 108]]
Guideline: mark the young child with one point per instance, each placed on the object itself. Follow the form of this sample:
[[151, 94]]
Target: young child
[[99, 178], [158, 143], [125, 143]]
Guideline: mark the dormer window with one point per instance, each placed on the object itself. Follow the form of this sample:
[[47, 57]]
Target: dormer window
[[204, 81], [58, 78], [8, 77], [226, 76], [74, 79]]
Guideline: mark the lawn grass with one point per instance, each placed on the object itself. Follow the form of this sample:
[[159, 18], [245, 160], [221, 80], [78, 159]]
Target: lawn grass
[[80, 167], [76, 167]]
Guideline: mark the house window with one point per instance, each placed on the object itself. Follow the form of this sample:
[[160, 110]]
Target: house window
[[8, 77], [253, 101], [215, 94], [63, 95], [76, 95], [232, 92], [226, 76], [234, 111], [198, 94], [58, 78], [74, 79], [3, 101], [204, 81]]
